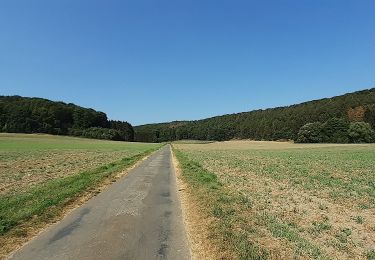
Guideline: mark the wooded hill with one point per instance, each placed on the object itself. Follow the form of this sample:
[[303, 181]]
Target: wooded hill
[[37, 115], [270, 124]]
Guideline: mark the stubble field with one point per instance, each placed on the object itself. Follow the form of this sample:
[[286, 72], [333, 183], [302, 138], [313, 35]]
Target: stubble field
[[282, 200]]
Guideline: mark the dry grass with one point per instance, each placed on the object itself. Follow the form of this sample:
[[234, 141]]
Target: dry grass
[[196, 223], [304, 201], [28, 160], [21, 170]]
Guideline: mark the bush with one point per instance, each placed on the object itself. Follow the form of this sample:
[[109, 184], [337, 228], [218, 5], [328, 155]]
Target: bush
[[335, 130], [75, 132], [102, 133], [361, 132], [311, 133]]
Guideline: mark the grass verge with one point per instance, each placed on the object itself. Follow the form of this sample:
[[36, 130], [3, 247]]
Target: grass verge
[[228, 230], [22, 212]]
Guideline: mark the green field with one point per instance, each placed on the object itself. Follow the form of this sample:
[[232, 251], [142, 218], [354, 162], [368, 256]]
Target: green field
[[41, 174], [283, 200]]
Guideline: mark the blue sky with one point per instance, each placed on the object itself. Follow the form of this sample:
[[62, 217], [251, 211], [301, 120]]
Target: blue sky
[[154, 61]]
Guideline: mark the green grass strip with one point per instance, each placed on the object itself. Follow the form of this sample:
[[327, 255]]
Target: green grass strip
[[46, 201], [220, 205]]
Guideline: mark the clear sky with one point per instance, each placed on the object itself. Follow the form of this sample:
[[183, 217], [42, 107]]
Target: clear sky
[[154, 61]]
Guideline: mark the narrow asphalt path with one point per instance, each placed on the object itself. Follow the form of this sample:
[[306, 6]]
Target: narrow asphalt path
[[138, 217]]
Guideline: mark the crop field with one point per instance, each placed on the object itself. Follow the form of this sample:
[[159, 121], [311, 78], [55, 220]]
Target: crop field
[[284, 200], [41, 174], [27, 160]]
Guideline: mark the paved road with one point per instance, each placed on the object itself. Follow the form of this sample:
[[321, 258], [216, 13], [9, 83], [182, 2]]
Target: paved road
[[138, 217]]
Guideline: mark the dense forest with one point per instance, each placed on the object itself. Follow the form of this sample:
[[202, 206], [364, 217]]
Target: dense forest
[[37, 115], [333, 117]]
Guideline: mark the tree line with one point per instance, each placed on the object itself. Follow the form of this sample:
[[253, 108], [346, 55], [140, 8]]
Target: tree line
[[336, 130], [282, 123], [37, 115]]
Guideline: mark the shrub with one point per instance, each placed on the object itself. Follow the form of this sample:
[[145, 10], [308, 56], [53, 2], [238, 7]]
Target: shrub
[[311, 133], [335, 130], [102, 133], [361, 132]]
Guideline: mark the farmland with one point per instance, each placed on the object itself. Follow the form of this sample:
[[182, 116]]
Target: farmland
[[41, 175], [283, 200]]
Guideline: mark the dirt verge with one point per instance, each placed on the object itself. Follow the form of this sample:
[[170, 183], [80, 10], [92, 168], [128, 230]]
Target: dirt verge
[[196, 224]]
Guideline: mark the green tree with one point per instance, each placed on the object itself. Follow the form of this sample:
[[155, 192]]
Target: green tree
[[37, 115], [370, 115], [361, 132], [336, 130], [311, 133], [124, 128], [270, 124]]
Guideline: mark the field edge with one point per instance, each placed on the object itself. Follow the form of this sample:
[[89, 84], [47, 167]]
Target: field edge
[[209, 215]]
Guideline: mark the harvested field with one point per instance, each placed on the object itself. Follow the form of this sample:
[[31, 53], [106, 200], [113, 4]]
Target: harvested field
[[27, 160], [286, 200]]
